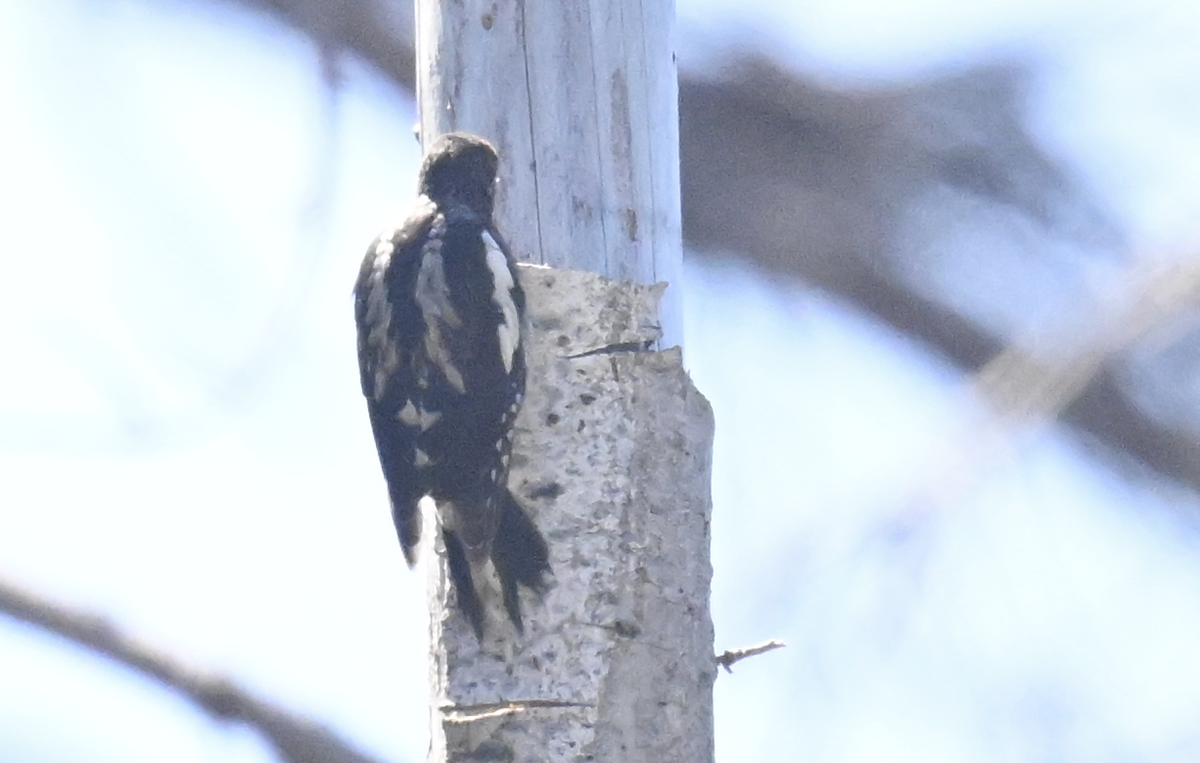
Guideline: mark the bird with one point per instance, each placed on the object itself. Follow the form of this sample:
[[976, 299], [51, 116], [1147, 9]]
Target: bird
[[440, 314]]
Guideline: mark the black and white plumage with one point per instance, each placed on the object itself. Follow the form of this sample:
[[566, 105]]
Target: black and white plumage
[[440, 314]]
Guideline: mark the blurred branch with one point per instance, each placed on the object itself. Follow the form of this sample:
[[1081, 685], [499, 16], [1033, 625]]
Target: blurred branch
[[827, 174], [808, 181], [296, 739], [1082, 387], [379, 32], [1022, 387]]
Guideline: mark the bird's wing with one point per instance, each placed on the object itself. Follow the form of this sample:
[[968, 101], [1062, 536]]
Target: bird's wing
[[388, 329], [384, 311]]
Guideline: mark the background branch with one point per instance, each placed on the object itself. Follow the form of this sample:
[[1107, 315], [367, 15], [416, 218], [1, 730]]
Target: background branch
[[296, 739]]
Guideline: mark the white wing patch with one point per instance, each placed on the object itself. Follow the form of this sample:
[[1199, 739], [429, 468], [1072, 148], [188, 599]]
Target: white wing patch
[[379, 318], [410, 416], [421, 458], [509, 330], [433, 297]]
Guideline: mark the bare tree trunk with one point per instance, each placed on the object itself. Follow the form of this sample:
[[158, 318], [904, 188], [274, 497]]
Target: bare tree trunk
[[612, 460], [582, 99], [613, 447]]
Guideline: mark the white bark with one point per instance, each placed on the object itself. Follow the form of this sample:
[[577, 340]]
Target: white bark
[[612, 461], [581, 97], [613, 442]]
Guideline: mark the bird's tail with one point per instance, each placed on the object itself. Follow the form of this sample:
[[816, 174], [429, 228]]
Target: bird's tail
[[519, 556], [406, 514]]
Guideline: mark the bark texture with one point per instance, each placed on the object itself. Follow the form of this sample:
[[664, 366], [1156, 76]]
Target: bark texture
[[612, 459]]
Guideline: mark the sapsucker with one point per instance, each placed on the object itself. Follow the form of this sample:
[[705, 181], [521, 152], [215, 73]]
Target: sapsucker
[[440, 315]]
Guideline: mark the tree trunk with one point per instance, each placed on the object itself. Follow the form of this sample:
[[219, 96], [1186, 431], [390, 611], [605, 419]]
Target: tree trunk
[[582, 100], [613, 446], [612, 460]]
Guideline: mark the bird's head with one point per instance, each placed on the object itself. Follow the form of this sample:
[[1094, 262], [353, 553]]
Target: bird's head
[[460, 172]]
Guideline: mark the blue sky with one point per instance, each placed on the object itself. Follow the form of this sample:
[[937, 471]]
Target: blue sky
[[183, 446]]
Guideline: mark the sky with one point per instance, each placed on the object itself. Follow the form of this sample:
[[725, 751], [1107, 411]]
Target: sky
[[183, 445]]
